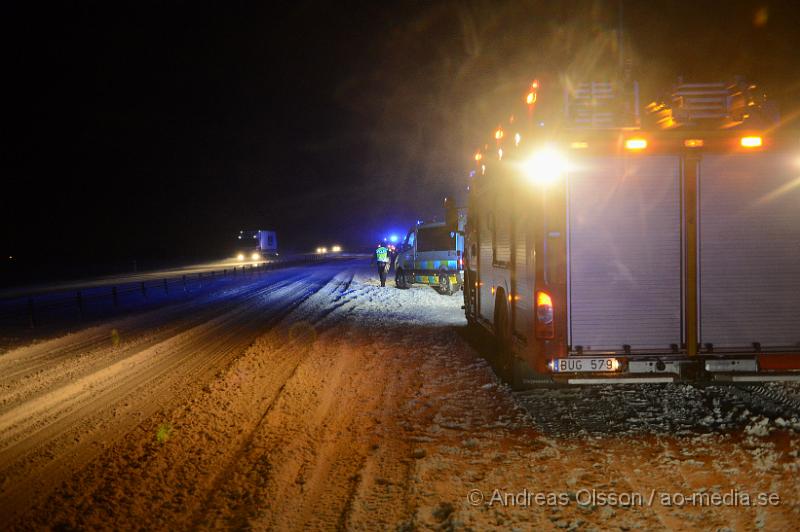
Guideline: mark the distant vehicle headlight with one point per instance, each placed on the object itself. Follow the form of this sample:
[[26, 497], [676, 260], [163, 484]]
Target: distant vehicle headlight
[[255, 256], [336, 249], [323, 250], [240, 256]]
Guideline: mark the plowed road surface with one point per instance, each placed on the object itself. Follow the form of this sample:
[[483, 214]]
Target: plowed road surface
[[313, 399]]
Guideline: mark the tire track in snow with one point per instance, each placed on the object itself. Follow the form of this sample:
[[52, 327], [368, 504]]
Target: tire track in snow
[[60, 397], [69, 362], [247, 445], [53, 451]]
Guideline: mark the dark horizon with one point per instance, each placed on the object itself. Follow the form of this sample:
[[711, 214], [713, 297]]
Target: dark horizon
[[155, 132]]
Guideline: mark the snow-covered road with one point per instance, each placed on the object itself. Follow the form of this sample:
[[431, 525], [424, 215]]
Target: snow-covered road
[[312, 398]]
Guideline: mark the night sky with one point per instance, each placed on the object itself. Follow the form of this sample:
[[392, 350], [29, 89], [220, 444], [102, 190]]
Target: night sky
[[156, 130]]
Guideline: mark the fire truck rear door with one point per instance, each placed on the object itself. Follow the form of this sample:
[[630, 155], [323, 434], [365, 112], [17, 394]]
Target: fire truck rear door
[[749, 251], [624, 253]]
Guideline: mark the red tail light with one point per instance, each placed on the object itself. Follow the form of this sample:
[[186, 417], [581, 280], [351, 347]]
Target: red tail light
[[544, 315]]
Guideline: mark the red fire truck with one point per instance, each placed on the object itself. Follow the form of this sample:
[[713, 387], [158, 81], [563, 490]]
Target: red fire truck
[[606, 244]]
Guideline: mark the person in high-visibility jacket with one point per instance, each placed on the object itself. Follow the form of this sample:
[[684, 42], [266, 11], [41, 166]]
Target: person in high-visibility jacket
[[382, 256]]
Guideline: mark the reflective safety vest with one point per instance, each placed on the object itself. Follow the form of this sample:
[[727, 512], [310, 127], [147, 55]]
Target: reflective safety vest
[[382, 254]]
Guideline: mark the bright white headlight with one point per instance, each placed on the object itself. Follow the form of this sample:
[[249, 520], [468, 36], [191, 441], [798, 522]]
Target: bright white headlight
[[240, 256], [545, 166], [255, 256]]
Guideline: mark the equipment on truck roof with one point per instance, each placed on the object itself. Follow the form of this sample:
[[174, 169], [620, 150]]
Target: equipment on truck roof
[[714, 106]]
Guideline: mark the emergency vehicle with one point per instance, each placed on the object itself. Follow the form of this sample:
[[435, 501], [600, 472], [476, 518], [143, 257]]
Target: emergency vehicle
[[432, 254], [606, 243]]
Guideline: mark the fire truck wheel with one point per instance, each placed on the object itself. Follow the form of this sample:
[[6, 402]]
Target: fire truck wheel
[[504, 357], [400, 279], [469, 298]]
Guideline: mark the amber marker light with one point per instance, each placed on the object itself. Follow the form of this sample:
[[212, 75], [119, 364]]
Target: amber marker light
[[531, 97], [543, 299], [544, 315], [751, 142], [635, 144]]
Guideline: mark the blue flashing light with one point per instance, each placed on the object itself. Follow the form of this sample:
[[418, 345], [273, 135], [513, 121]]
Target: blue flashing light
[[393, 238]]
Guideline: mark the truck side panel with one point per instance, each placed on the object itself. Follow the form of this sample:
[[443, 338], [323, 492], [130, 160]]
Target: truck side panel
[[524, 270], [267, 241], [486, 269]]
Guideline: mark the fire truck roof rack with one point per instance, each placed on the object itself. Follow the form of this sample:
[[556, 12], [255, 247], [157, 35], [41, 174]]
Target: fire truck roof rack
[[601, 105], [713, 105]]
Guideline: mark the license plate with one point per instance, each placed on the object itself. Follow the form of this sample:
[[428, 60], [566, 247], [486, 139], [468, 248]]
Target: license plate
[[568, 365]]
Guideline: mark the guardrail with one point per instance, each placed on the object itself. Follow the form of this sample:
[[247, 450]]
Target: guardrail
[[29, 310]]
